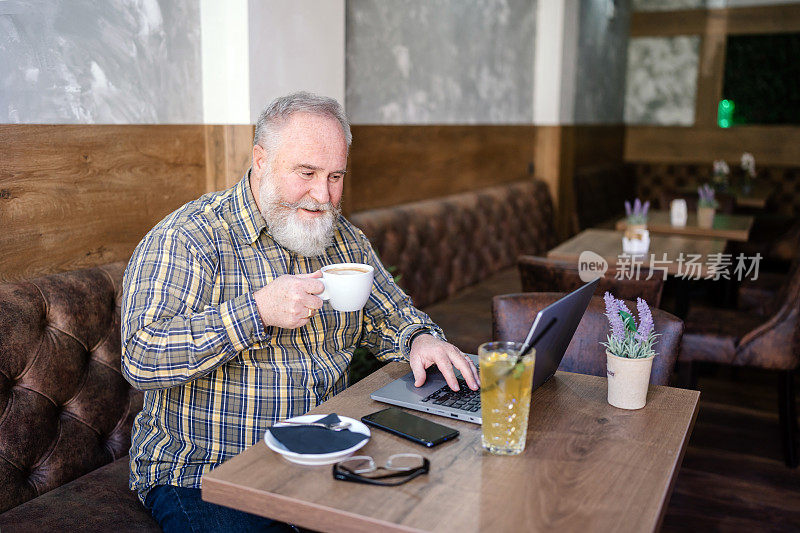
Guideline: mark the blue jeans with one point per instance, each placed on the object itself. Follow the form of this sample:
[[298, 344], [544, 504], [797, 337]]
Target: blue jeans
[[180, 509]]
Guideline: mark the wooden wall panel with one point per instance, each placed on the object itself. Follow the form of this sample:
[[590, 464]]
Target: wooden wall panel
[[585, 146], [599, 145], [770, 145], [710, 77], [229, 149], [77, 196], [739, 20], [391, 165]]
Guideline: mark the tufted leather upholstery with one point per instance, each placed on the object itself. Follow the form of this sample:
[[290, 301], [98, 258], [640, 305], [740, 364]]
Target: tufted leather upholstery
[[653, 178], [512, 315], [98, 501], [539, 274], [600, 194], [441, 246], [747, 339], [65, 408]]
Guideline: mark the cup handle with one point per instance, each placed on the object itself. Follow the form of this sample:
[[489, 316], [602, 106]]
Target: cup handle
[[324, 295]]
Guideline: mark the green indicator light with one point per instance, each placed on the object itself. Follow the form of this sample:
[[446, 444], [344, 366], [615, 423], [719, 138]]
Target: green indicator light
[[725, 113]]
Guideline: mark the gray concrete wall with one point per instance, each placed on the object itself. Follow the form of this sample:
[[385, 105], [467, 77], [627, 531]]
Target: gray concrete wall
[[662, 80], [439, 61], [110, 61], [601, 62]]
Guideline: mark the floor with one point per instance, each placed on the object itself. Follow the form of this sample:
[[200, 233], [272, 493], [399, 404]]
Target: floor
[[733, 477]]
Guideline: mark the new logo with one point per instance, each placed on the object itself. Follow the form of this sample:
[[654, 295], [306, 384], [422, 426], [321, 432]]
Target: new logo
[[591, 266]]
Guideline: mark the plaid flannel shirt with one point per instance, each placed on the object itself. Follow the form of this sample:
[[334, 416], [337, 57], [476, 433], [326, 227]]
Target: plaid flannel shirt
[[214, 376]]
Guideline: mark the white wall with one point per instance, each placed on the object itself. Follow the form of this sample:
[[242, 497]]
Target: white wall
[[295, 45], [224, 37]]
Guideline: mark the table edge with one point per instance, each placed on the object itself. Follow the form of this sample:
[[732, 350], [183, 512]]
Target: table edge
[[334, 519], [667, 496]]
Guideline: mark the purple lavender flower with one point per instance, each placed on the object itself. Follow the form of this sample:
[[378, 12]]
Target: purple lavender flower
[[646, 326], [645, 208], [612, 313], [637, 206], [628, 211], [706, 194]]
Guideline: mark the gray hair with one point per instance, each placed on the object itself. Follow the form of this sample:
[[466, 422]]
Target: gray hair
[[275, 115]]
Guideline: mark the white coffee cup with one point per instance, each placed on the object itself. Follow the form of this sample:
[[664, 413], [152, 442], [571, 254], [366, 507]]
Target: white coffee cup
[[678, 212], [347, 285]]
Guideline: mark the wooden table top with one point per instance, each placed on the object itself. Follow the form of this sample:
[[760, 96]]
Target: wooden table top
[[608, 244], [756, 197], [731, 227], [587, 466]]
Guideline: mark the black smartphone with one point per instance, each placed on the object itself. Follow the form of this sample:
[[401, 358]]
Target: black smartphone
[[411, 427]]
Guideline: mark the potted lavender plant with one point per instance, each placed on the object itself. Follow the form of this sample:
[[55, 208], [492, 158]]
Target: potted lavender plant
[[706, 206], [636, 239], [629, 353]]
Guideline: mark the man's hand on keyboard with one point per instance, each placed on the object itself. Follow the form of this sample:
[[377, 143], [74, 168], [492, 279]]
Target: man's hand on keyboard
[[427, 350]]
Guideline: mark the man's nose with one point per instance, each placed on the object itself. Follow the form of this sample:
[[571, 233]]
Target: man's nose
[[319, 191]]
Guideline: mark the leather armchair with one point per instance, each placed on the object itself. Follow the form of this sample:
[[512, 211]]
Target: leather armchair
[[747, 339], [513, 314]]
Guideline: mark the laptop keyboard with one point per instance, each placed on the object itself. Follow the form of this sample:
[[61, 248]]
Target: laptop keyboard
[[465, 399]]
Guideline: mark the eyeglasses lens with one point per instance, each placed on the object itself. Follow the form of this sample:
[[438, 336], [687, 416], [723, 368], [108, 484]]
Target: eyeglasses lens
[[404, 461], [359, 465]]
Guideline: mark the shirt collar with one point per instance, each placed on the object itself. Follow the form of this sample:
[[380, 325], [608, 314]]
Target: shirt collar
[[249, 221]]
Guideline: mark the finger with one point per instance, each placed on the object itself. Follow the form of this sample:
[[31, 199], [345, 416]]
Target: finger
[[312, 302], [446, 368], [317, 274], [474, 369], [312, 286], [467, 369], [419, 371]]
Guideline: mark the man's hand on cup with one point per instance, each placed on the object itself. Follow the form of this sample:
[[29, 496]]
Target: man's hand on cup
[[289, 301], [427, 350]]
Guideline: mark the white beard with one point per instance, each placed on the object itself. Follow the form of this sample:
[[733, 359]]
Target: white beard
[[307, 237]]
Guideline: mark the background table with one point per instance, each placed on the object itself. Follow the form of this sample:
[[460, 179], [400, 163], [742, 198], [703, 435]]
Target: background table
[[731, 227], [756, 197], [588, 466], [608, 244]]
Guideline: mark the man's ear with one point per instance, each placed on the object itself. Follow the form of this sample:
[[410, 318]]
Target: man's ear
[[259, 159]]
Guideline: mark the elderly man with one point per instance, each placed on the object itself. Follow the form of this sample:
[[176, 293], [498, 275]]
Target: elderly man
[[222, 325]]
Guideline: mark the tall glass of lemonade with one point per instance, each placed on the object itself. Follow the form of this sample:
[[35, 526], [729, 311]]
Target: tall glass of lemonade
[[506, 384]]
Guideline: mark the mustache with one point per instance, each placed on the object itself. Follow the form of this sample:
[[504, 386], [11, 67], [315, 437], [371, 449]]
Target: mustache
[[309, 205]]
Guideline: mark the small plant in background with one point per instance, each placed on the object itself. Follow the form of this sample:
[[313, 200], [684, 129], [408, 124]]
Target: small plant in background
[[748, 171], [706, 197], [627, 339], [721, 174], [636, 214], [749, 165]]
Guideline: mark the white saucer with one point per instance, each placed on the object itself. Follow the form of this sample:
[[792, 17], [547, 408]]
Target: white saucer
[[317, 458]]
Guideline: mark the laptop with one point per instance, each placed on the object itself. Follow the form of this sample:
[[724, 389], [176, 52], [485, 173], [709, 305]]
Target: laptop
[[554, 325]]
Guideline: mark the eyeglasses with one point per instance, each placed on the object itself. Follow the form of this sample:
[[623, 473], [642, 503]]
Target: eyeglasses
[[401, 467]]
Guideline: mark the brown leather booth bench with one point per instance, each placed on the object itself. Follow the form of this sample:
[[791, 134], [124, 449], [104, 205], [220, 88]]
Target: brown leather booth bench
[[454, 253], [66, 411]]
